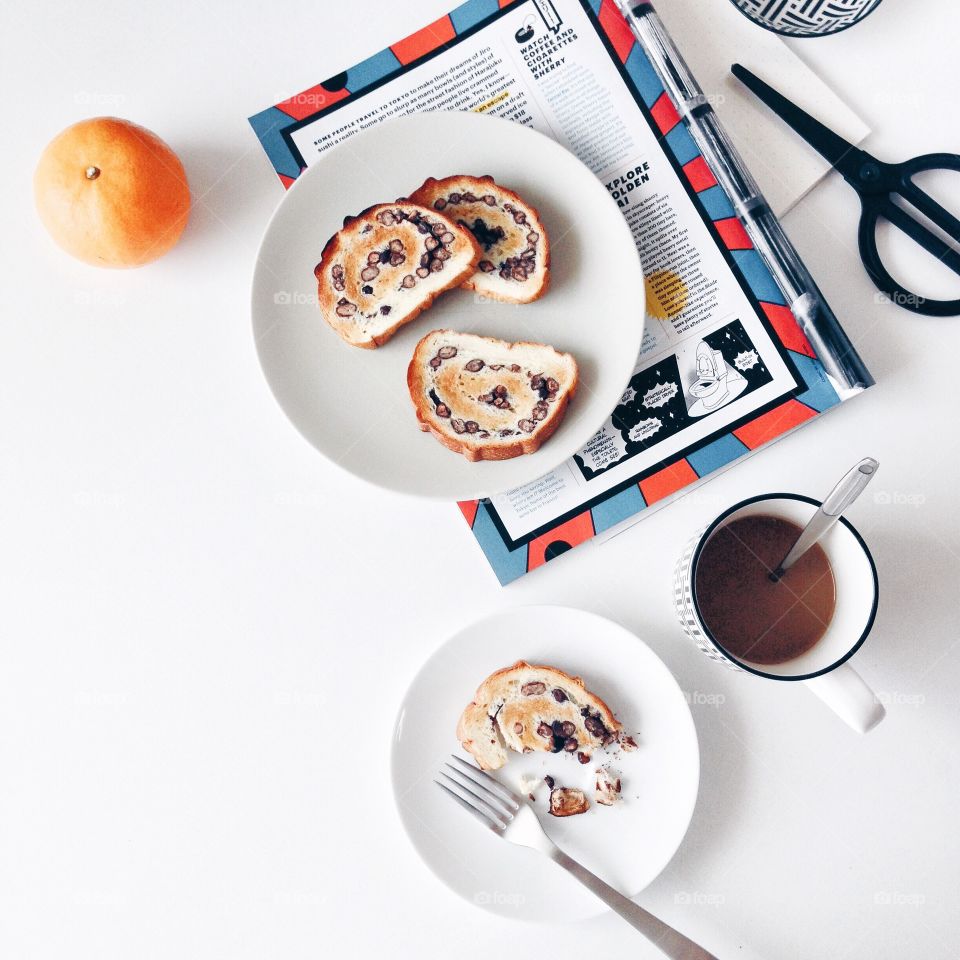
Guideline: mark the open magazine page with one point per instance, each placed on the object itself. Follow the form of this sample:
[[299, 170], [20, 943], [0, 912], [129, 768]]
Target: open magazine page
[[723, 367]]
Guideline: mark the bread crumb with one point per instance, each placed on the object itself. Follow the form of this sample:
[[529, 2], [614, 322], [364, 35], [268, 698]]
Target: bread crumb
[[608, 787], [529, 785], [568, 802]]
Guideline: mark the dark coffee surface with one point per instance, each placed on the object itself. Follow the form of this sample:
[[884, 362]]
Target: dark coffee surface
[[752, 617]]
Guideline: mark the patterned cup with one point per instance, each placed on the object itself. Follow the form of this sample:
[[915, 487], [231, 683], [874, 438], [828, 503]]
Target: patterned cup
[[823, 668], [806, 18]]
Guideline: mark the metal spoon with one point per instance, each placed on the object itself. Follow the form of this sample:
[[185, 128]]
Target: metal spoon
[[839, 498]]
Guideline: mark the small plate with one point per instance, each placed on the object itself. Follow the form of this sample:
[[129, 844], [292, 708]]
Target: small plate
[[628, 844], [353, 404]]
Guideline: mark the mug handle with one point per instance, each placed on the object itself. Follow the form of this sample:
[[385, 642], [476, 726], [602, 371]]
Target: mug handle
[[844, 691]]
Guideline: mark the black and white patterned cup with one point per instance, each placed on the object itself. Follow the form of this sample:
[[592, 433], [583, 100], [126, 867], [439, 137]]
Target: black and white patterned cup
[[823, 668], [806, 18]]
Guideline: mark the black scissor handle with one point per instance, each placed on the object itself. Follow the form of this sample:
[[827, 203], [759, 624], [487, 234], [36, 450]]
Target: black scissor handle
[[929, 161], [880, 205]]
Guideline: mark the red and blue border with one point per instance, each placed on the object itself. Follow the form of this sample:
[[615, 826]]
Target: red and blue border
[[274, 125]]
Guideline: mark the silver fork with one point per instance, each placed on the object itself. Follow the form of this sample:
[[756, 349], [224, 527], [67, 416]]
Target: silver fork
[[513, 819]]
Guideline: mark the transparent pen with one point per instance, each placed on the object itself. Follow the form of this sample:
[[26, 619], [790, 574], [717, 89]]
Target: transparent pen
[[817, 321]]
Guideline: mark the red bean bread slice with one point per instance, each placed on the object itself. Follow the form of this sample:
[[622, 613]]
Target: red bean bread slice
[[527, 707], [489, 399], [386, 266], [514, 265]]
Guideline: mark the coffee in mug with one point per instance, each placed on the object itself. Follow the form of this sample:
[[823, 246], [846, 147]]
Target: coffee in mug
[[753, 614], [805, 633]]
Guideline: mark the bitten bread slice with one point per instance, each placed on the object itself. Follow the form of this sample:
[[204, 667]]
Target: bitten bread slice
[[489, 399], [515, 263], [527, 707], [387, 265]]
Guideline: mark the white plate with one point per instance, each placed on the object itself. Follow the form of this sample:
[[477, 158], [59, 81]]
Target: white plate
[[353, 404], [628, 845]]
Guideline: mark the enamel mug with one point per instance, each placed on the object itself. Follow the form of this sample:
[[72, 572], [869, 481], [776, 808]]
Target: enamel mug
[[824, 668]]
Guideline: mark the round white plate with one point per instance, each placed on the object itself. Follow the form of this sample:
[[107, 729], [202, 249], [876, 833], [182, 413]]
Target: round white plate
[[628, 845], [353, 404]]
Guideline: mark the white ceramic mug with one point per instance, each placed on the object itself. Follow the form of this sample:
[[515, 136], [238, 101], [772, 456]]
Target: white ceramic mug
[[823, 668]]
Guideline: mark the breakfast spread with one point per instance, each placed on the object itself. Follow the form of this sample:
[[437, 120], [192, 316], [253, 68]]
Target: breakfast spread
[[528, 708], [514, 265], [488, 399], [388, 264]]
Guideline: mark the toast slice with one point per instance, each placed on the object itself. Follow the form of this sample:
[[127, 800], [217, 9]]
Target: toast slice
[[527, 707], [515, 264], [387, 265], [489, 399]]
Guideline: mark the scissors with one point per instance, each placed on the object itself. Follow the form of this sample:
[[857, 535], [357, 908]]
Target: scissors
[[878, 183]]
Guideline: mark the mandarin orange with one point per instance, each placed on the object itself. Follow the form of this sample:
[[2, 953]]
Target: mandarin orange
[[111, 193]]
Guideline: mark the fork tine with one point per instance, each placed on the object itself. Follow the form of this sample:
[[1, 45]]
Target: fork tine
[[496, 826], [494, 785], [481, 802], [502, 809]]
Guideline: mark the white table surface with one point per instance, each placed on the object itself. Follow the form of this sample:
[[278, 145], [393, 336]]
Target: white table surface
[[205, 629]]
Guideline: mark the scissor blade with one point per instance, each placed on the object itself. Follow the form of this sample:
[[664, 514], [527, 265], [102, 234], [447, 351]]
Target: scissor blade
[[838, 152]]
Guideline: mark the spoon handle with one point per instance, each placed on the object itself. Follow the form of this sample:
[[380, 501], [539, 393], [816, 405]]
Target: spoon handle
[[850, 487], [840, 497]]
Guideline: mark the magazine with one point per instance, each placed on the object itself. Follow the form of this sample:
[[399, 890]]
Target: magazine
[[724, 367]]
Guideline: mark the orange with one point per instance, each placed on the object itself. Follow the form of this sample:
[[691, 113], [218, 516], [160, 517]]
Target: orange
[[111, 193]]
